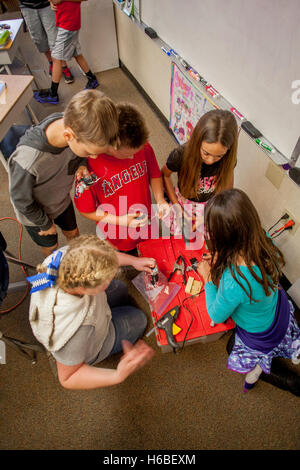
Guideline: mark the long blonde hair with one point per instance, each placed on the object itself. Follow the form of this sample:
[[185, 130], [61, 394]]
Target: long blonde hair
[[214, 126], [88, 262]]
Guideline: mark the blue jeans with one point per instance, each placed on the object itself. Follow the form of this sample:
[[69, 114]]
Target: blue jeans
[[129, 322]]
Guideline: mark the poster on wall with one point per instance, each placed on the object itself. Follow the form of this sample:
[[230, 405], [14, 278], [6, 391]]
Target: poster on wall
[[128, 7], [188, 104]]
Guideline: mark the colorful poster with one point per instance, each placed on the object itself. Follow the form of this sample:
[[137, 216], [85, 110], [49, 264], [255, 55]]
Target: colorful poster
[[128, 7], [188, 104]]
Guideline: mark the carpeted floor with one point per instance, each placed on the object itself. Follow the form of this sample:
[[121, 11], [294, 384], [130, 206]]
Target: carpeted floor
[[185, 401]]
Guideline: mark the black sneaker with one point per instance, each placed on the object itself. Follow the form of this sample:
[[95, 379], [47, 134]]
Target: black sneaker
[[91, 84], [67, 75], [44, 96]]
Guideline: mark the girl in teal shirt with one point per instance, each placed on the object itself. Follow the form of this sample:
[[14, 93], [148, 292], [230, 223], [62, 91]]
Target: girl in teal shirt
[[242, 282]]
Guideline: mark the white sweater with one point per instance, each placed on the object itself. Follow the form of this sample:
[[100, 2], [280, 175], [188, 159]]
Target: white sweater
[[55, 315]]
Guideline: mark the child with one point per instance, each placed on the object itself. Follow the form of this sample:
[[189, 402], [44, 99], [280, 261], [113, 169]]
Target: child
[[204, 166], [42, 168], [41, 24], [68, 22], [242, 282], [122, 191], [80, 324]]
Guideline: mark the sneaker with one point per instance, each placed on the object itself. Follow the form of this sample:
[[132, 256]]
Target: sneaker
[[44, 96], [67, 75], [91, 84]]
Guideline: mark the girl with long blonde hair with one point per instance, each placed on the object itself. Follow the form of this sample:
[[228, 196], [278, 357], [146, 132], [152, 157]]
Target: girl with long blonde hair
[[82, 315]]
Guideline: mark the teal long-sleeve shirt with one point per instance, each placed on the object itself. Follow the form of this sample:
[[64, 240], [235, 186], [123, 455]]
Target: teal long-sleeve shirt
[[230, 300]]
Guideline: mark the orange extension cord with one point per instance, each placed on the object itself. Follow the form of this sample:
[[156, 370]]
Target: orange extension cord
[[27, 288]]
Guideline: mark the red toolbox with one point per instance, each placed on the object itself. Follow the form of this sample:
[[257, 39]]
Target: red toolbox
[[193, 318]]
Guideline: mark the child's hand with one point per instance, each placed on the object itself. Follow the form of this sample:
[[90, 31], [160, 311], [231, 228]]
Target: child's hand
[[82, 172], [134, 358], [50, 231], [53, 5], [180, 213], [197, 221], [204, 269], [163, 209], [143, 264], [132, 220]]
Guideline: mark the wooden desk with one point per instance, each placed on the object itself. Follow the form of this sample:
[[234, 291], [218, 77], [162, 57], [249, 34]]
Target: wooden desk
[[13, 101], [7, 53]]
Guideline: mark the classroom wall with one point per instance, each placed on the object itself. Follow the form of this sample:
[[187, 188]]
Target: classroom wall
[[248, 50], [152, 69], [98, 35]]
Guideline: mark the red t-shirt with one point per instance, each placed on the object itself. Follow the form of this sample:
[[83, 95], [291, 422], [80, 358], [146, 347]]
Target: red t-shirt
[[68, 16], [123, 188]]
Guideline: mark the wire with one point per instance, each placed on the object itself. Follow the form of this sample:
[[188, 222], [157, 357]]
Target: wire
[[285, 216], [191, 314], [287, 226], [22, 267], [275, 236]]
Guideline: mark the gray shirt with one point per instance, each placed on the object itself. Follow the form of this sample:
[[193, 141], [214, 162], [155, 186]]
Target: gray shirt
[[41, 177], [84, 347]]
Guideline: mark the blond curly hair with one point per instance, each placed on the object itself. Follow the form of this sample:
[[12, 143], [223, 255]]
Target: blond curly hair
[[88, 262]]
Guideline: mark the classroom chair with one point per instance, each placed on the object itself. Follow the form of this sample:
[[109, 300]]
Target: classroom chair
[[26, 350], [9, 143]]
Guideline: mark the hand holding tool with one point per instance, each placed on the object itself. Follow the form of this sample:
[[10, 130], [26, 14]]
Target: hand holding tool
[[179, 265], [167, 323]]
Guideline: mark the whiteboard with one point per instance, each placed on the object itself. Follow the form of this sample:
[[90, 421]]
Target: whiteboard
[[248, 50]]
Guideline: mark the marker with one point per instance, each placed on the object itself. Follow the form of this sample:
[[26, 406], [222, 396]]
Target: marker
[[214, 93], [174, 53], [203, 81], [235, 111], [165, 50], [264, 146], [194, 74], [186, 66]]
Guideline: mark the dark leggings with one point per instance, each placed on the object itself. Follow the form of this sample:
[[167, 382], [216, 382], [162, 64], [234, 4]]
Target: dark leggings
[[129, 322]]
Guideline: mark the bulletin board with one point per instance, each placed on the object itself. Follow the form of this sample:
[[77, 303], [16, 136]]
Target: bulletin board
[[187, 105]]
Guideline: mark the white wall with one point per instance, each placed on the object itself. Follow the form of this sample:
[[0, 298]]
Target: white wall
[[248, 50], [152, 69], [98, 35]]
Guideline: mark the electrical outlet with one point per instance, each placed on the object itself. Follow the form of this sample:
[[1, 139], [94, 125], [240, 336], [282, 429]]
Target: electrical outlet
[[291, 217]]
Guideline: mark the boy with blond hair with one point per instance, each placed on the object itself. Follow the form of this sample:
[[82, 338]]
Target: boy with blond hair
[[121, 196], [42, 168]]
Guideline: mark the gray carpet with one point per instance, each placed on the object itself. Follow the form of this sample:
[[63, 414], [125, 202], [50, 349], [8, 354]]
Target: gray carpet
[[185, 401]]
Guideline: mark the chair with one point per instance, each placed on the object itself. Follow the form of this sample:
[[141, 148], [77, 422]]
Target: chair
[[26, 350], [10, 141]]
